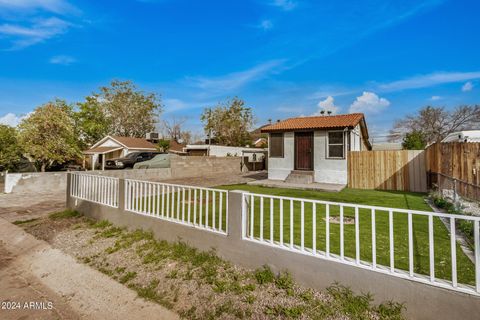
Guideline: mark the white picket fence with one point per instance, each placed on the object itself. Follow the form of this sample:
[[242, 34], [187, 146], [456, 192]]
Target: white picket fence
[[95, 188], [203, 208], [322, 229]]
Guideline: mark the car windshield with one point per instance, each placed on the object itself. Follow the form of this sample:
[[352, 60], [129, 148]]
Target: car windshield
[[132, 155], [160, 156]]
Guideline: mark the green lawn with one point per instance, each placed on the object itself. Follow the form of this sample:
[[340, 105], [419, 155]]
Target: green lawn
[[404, 200]]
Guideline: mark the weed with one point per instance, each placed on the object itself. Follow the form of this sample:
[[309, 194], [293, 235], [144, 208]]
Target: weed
[[173, 274], [250, 299], [150, 293], [284, 281], [353, 305], [283, 311], [120, 269], [65, 214], [264, 275], [390, 310], [127, 277], [19, 222], [100, 224]]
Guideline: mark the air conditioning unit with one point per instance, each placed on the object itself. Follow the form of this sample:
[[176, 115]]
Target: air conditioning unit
[[152, 136]]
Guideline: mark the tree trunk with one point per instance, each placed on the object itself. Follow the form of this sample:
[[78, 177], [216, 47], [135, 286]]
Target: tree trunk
[[43, 167]]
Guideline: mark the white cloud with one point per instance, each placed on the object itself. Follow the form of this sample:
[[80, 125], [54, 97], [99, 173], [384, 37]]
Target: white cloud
[[266, 25], [286, 5], [369, 102], [13, 120], [434, 98], [236, 80], [327, 105], [429, 80], [62, 60], [39, 31], [468, 86], [55, 6]]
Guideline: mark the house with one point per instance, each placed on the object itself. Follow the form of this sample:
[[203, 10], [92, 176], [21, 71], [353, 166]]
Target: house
[[315, 149], [176, 147], [111, 147], [260, 142], [463, 136]]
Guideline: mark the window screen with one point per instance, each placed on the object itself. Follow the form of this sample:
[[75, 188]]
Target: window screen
[[276, 145], [335, 144]]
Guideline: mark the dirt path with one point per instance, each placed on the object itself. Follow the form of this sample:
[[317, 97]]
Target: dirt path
[[20, 207], [32, 271]]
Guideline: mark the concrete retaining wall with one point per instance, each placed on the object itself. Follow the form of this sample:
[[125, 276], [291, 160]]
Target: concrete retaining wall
[[422, 301], [181, 167], [41, 182]]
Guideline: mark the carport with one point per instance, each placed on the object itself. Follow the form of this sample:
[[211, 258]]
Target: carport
[[98, 154]]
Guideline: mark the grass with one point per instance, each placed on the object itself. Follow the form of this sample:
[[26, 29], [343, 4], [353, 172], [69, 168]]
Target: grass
[[65, 214], [403, 200]]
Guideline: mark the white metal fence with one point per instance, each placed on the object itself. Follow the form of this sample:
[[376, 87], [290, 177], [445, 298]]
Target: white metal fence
[[204, 208], [404, 243], [95, 188]]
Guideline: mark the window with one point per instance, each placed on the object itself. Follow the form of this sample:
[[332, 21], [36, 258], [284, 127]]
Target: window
[[276, 145], [335, 145]]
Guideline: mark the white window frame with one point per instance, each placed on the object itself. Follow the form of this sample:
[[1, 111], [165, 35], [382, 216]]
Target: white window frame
[[335, 144]]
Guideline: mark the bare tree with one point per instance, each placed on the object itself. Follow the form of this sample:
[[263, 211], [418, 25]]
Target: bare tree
[[173, 128], [435, 123]]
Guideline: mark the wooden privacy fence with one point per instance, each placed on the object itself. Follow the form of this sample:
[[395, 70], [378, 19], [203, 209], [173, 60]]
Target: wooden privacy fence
[[403, 170], [456, 160], [454, 166]]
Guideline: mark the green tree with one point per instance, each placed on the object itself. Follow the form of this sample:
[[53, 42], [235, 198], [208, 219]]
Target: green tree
[[414, 140], [229, 122], [91, 121], [10, 151], [119, 109], [48, 135], [164, 145]]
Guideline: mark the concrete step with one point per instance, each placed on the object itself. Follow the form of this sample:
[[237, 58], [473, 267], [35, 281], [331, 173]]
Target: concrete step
[[300, 177]]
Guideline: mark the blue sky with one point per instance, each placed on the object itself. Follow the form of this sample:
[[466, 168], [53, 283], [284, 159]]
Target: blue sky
[[283, 57]]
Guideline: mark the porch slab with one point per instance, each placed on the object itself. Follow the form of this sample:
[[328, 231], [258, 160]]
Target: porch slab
[[331, 187]]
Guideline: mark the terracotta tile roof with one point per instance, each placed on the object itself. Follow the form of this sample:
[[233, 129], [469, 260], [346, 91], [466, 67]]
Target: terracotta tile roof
[[135, 143], [317, 122], [101, 150]]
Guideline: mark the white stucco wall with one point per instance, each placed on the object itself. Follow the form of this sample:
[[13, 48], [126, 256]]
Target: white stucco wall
[[325, 170], [280, 168]]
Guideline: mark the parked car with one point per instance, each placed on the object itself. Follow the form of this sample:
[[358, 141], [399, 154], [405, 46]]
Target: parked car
[[129, 160], [159, 161]]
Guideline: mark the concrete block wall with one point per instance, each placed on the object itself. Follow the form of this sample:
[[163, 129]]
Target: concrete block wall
[[198, 166], [422, 301], [181, 167]]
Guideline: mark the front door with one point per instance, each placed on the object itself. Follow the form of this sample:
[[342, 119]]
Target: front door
[[303, 150]]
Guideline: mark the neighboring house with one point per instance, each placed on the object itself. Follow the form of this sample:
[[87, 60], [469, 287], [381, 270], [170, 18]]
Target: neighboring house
[[176, 147], [112, 147], [463, 136], [260, 142], [315, 149]]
